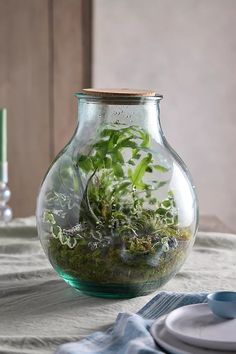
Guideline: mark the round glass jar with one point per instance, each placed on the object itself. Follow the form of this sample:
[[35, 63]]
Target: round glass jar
[[117, 211]]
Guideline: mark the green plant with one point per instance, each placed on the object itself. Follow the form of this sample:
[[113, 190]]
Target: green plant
[[107, 205]]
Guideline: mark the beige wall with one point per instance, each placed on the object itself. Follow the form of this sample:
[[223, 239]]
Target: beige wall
[[186, 50]]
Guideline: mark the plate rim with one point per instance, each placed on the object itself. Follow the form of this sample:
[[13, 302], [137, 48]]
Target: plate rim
[[166, 346], [177, 350], [196, 340]]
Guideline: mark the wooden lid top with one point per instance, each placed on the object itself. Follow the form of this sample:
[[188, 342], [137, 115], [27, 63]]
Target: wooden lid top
[[120, 92]]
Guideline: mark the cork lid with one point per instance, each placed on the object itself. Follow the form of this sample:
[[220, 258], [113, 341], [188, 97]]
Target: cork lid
[[120, 92]]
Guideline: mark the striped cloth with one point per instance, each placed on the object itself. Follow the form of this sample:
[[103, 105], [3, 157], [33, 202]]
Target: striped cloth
[[130, 333]]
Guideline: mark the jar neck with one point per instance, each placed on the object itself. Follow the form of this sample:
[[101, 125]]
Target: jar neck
[[142, 112]]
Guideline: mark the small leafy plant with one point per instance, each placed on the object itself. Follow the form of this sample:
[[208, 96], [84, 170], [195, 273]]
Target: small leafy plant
[[105, 215]]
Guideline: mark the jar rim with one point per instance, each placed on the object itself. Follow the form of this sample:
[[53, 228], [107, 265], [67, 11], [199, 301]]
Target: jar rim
[[118, 95]]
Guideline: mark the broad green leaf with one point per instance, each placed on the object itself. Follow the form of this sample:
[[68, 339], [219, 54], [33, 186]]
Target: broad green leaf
[[106, 132], [62, 238], [108, 162], [48, 217], [161, 211], [98, 161], [85, 163], [166, 204], [168, 214], [169, 221], [130, 174], [141, 185], [140, 170], [161, 168], [131, 162], [116, 136], [122, 187], [118, 215], [111, 142], [75, 184], [56, 231], [117, 156], [145, 137], [135, 154], [161, 184], [153, 201], [102, 147], [103, 143], [126, 142], [118, 171], [149, 169], [71, 242]]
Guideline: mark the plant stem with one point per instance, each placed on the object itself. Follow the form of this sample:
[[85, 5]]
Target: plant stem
[[94, 217], [84, 203]]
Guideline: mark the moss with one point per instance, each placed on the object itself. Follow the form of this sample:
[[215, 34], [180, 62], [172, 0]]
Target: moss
[[139, 262]]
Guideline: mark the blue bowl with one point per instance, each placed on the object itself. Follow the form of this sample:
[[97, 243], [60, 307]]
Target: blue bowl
[[223, 303]]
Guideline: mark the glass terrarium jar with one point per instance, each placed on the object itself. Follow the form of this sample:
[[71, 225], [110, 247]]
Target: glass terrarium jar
[[117, 211]]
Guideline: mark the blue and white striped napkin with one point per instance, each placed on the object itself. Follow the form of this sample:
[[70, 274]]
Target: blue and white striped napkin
[[130, 333]]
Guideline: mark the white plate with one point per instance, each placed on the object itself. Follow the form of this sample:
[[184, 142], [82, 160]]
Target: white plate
[[172, 344], [197, 325]]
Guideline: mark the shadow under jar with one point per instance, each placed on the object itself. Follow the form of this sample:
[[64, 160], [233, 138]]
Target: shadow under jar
[[117, 212]]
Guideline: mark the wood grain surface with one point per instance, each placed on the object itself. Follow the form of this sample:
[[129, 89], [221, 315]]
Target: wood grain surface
[[45, 56], [24, 91], [71, 63]]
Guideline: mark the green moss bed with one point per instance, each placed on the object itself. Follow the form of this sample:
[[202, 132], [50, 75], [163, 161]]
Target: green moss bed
[[116, 265]]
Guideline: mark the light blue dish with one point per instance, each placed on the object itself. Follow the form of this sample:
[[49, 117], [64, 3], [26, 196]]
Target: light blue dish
[[223, 303]]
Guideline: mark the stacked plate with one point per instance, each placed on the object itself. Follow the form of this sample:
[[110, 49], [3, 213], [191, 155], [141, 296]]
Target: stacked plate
[[194, 329]]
